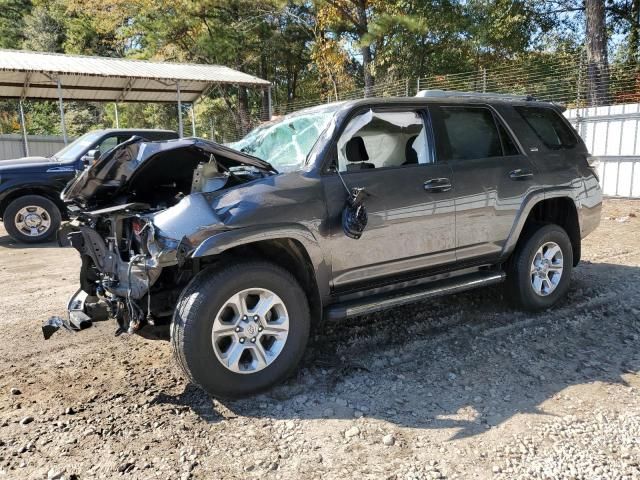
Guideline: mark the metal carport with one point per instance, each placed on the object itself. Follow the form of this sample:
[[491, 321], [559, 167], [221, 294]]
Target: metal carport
[[53, 76]]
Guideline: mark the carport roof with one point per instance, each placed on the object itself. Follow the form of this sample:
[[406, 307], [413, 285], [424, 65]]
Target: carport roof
[[35, 75]]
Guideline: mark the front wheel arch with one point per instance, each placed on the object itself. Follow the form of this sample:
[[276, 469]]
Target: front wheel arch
[[50, 194], [302, 260]]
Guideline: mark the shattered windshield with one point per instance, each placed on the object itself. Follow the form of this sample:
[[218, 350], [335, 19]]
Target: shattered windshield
[[285, 143]]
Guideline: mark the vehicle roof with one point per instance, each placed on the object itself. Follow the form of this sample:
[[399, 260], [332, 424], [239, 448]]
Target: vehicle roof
[[444, 99], [346, 105]]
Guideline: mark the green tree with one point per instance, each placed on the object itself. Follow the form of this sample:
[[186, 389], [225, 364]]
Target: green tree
[[12, 14], [44, 28]]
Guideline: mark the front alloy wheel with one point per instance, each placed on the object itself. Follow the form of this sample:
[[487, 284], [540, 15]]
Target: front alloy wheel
[[250, 330], [240, 328]]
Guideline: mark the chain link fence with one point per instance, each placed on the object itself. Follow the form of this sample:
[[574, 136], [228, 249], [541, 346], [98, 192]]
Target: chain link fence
[[570, 81]]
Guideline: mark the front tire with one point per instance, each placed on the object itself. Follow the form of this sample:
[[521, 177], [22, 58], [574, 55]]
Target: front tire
[[539, 272], [32, 219], [240, 329]]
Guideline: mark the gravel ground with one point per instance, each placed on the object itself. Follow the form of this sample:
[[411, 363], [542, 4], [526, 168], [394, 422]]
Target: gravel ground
[[461, 387]]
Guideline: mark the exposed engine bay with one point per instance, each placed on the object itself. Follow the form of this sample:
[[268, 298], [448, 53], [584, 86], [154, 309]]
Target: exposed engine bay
[[129, 267]]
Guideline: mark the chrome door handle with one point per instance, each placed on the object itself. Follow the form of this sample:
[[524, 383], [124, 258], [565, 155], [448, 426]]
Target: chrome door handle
[[520, 174], [438, 185]]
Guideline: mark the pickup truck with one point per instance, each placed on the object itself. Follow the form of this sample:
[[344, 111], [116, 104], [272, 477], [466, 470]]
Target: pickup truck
[[30, 187]]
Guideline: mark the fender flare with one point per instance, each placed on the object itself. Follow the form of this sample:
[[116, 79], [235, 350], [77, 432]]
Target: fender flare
[[220, 242], [532, 199]]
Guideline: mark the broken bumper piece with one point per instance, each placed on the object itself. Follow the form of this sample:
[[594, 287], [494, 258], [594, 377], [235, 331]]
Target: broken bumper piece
[[80, 315]]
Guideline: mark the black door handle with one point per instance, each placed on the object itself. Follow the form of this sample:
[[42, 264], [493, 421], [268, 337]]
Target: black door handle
[[520, 174], [437, 185]]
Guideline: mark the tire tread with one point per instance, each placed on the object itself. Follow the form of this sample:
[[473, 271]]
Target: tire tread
[[516, 290], [182, 329]]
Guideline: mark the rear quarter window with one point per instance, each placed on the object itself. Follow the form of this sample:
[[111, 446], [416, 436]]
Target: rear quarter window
[[549, 126]]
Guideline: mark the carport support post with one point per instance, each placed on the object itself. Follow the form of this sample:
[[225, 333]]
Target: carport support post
[[115, 104], [180, 126], [270, 105], [24, 130], [193, 119], [62, 124]]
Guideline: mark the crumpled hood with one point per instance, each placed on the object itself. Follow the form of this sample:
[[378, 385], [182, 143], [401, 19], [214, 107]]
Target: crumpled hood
[[26, 162], [123, 168]]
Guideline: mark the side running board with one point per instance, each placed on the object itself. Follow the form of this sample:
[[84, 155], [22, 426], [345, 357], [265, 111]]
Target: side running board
[[364, 306]]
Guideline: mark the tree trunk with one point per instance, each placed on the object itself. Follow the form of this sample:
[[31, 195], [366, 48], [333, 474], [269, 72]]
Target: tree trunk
[[365, 50], [294, 85], [634, 34], [290, 86], [597, 63], [366, 65]]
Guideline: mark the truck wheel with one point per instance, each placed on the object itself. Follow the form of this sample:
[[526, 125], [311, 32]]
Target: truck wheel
[[539, 272], [241, 328], [32, 219]]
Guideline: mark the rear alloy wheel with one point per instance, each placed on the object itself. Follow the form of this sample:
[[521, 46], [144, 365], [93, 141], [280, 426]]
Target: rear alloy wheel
[[239, 329], [546, 269], [539, 272], [32, 219]]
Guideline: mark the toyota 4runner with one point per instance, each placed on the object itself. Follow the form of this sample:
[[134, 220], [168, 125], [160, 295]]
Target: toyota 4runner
[[331, 212]]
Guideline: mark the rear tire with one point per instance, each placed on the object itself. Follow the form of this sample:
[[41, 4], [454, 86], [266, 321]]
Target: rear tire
[[226, 355], [539, 271], [32, 219]]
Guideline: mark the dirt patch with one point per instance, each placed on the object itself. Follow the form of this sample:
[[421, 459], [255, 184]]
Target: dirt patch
[[461, 387]]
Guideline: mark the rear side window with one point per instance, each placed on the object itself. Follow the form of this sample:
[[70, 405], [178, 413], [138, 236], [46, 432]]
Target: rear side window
[[467, 133], [549, 126]]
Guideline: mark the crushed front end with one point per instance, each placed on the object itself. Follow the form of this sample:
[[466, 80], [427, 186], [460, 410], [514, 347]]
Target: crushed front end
[[138, 214], [123, 262]]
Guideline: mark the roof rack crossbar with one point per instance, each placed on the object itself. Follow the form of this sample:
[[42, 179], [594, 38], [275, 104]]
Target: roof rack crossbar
[[479, 95]]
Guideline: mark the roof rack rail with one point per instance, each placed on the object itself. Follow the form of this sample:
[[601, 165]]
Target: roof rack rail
[[487, 96]]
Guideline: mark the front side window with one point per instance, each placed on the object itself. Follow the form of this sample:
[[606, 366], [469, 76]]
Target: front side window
[[549, 126], [71, 152], [383, 139], [467, 133], [107, 144]]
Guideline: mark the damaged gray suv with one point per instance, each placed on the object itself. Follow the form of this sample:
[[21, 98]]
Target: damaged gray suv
[[331, 212]]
